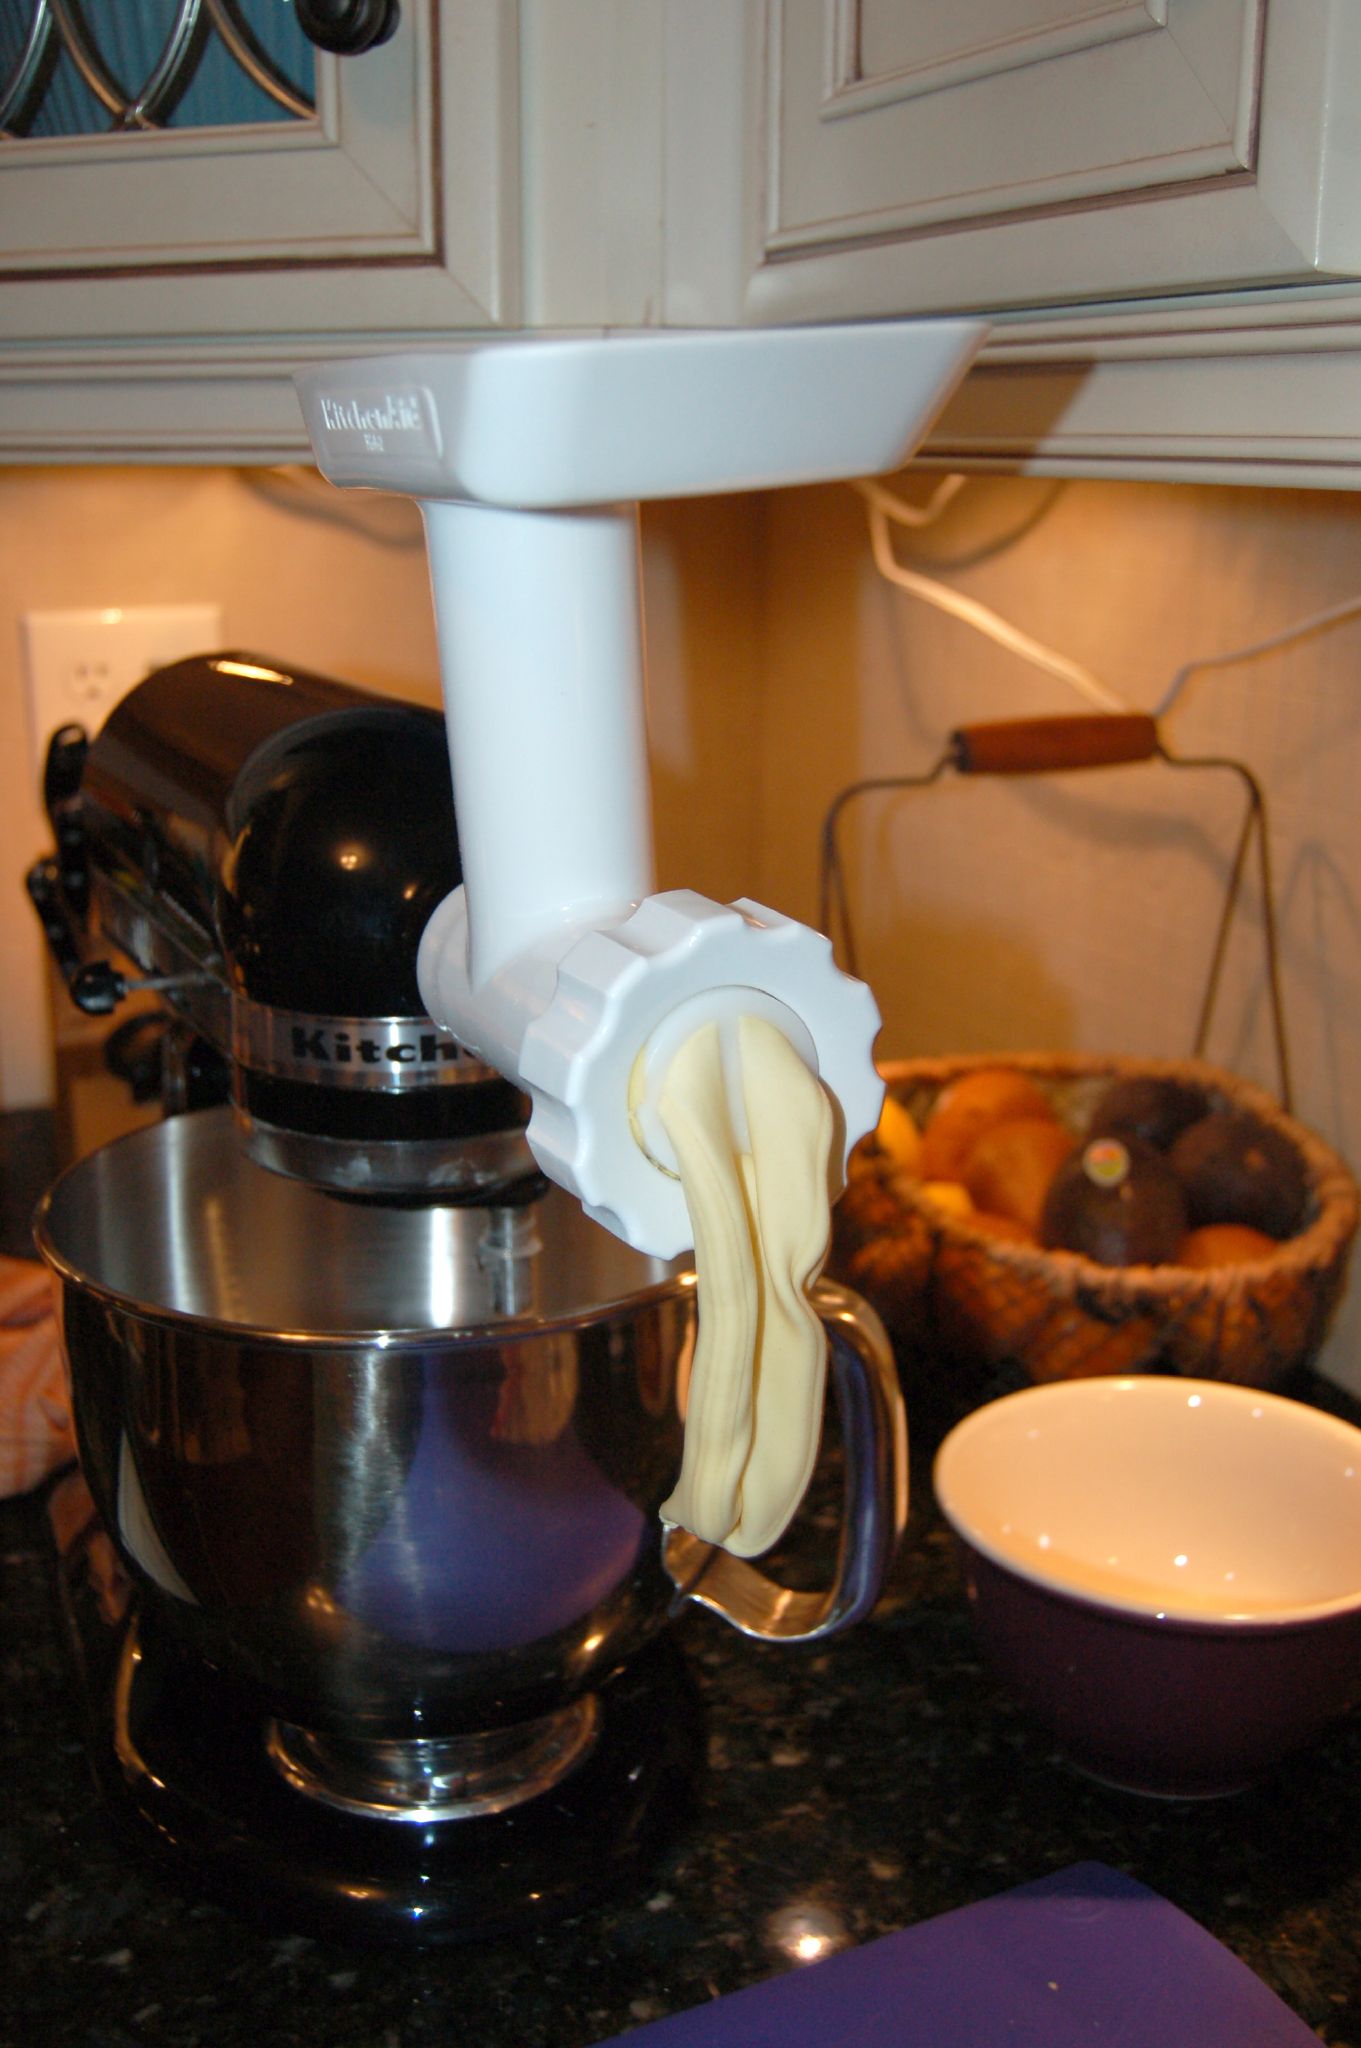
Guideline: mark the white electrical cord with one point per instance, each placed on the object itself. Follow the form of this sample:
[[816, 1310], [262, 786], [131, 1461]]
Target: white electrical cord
[[910, 515], [1346, 609], [968, 609], [883, 506]]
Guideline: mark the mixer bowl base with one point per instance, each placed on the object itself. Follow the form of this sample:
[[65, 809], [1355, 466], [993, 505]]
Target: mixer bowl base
[[460, 1777], [183, 1762]]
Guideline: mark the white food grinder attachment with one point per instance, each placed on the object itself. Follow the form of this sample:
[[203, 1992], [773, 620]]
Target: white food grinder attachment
[[555, 962]]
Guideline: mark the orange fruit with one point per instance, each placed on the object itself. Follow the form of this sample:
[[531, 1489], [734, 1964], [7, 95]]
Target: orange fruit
[[1224, 1244], [1009, 1168], [967, 1108]]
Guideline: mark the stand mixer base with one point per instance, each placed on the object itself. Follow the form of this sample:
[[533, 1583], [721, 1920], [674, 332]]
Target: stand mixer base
[[183, 1762]]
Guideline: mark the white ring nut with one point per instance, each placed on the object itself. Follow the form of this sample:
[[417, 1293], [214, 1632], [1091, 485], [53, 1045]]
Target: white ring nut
[[643, 986]]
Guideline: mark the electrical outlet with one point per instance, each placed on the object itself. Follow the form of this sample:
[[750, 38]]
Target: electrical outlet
[[78, 664]]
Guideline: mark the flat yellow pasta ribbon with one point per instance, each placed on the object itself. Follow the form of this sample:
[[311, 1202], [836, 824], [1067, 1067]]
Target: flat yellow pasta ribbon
[[760, 1214]]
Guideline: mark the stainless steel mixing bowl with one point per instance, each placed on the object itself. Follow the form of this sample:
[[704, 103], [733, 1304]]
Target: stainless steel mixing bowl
[[398, 1469]]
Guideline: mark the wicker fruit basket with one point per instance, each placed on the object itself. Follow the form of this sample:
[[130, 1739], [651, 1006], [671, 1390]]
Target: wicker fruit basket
[[984, 1313]]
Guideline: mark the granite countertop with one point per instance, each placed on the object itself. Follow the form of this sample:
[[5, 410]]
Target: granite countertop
[[850, 1789]]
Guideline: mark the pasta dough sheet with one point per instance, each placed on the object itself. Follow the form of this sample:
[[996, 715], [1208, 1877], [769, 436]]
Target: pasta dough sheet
[[761, 1217]]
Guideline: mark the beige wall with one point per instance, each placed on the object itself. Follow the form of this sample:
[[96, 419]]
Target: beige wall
[[337, 582], [1078, 913]]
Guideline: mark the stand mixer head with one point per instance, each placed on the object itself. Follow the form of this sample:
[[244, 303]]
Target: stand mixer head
[[232, 830]]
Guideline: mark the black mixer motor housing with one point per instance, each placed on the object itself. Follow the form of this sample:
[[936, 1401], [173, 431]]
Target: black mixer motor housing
[[266, 845]]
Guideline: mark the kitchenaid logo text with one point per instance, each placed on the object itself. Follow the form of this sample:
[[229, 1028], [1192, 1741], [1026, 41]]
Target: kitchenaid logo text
[[316, 1044], [396, 412], [386, 1053]]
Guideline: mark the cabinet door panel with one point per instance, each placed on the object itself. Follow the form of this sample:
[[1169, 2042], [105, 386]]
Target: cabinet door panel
[[885, 52], [885, 118], [354, 180], [905, 156], [394, 207]]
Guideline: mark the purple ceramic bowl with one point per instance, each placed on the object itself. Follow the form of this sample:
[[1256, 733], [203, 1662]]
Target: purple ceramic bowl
[[1166, 1572]]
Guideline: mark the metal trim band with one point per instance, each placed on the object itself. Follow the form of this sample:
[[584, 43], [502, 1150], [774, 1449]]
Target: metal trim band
[[387, 1054]]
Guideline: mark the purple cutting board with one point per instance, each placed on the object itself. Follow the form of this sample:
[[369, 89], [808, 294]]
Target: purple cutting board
[[1084, 1957]]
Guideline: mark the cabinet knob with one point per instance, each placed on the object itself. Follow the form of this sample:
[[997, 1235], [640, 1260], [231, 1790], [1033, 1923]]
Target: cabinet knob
[[347, 27]]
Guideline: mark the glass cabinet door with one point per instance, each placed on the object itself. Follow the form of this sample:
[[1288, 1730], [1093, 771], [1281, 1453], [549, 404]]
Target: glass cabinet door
[[153, 137], [194, 201], [89, 67]]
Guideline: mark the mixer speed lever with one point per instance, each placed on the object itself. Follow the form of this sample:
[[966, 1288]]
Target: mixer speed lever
[[94, 986], [97, 987]]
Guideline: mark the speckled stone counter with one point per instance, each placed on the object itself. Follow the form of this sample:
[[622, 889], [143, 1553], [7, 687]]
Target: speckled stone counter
[[850, 1790]]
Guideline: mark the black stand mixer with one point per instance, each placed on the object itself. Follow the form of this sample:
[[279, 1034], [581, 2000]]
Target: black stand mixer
[[368, 1591]]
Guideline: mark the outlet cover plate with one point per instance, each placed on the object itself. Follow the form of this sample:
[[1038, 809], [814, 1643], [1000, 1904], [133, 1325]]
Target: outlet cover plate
[[77, 664]]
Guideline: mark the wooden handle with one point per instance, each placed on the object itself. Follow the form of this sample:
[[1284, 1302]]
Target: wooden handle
[[1043, 746]]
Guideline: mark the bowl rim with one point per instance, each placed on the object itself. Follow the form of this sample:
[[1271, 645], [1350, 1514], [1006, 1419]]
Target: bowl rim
[[1153, 1387], [676, 1280]]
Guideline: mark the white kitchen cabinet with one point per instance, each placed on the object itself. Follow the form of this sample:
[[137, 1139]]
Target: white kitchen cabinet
[[1034, 153], [157, 286], [1153, 198]]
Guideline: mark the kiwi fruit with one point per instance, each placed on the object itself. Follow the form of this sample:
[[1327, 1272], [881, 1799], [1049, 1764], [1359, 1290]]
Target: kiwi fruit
[[1117, 1201], [1237, 1169], [1153, 1107]]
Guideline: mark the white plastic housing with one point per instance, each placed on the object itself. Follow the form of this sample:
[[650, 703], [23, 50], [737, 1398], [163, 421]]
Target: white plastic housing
[[540, 646], [555, 962], [601, 419], [590, 1040]]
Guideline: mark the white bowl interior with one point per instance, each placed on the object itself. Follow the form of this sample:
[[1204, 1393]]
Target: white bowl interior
[[1164, 1496]]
